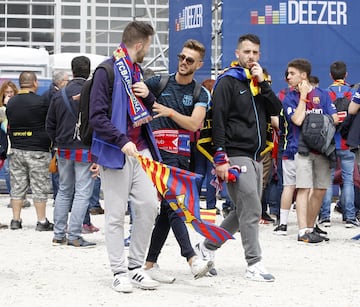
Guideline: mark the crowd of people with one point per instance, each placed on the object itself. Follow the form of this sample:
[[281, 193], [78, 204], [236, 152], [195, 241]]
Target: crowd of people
[[256, 133]]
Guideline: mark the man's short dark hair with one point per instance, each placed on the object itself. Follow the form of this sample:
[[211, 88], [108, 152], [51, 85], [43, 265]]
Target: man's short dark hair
[[136, 31], [338, 70], [27, 79], [302, 65], [80, 67], [249, 37], [195, 45]]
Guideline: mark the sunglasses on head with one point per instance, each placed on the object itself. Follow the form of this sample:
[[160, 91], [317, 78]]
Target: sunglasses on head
[[189, 60]]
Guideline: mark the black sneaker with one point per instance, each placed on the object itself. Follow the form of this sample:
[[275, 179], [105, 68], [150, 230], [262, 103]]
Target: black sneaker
[[319, 231], [212, 273], [14, 224], [352, 223], [80, 243], [3, 226], [57, 242], [325, 222], [310, 237], [280, 230], [267, 217], [338, 209], [225, 211], [47, 226]]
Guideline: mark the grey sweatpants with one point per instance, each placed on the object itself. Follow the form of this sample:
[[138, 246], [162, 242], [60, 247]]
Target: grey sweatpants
[[246, 196], [120, 186]]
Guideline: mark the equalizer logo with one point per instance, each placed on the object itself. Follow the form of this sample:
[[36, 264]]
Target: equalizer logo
[[190, 17], [303, 12]]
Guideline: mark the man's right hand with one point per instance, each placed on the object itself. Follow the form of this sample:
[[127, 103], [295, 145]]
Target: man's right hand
[[129, 149], [222, 171]]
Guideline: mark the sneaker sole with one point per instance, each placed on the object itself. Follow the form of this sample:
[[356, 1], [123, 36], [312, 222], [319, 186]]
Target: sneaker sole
[[208, 267], [59, 244], [310, 243], [252, 278], [123, 290], [280, 233], [143, 287], [82, 247]]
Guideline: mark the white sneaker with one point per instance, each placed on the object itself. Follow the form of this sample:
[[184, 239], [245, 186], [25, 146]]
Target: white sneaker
[[142, 280], [200, 267], [121, 283], [156, 274], [204, 253], [257, 272]]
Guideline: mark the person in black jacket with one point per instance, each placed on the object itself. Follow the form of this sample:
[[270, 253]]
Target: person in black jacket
[[59, 80], [241, 100], [30, 153], [73, 157]]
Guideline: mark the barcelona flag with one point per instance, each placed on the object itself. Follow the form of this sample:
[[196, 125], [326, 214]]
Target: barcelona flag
[[178, 187]]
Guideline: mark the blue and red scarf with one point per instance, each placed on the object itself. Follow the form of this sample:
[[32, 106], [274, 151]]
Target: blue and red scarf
[[241, 74], [129, 74]]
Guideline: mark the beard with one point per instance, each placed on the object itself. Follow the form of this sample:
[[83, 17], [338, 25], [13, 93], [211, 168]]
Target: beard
[[140, 56], [187, 73]]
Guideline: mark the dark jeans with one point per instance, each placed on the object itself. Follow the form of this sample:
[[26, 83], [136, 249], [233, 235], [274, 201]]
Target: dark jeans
[[168, 218]]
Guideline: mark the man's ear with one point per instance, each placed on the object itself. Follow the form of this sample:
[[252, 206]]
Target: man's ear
[[199, 65]]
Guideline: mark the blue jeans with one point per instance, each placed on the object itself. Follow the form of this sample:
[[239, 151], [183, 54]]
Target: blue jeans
[[75, 188], [347, 159], [203, 167], [94, 200]]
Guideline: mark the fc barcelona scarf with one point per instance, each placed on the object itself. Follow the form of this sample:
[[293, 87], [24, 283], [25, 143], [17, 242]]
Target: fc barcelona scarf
[[241, 74], [130, 73]]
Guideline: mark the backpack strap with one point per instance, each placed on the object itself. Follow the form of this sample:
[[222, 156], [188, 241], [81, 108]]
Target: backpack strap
[[111, 77], [164, 79], [197, 91], [67, 102], [110, 73]]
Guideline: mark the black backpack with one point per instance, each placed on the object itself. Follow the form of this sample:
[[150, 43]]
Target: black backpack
[[341, 103], [317, 131], [85, 129]]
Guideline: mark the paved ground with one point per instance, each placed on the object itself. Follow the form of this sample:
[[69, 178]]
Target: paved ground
[[34, 273]]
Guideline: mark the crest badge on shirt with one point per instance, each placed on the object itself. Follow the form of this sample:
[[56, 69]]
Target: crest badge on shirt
[[316, 100], [187, 100]]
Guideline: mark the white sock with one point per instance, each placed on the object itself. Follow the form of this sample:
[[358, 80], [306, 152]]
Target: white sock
[[284, 215], [302, 231]]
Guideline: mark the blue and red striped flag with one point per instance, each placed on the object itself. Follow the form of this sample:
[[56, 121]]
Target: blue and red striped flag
[[179, 188]]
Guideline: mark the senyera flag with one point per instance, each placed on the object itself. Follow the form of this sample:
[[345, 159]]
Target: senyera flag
[[178, 187]]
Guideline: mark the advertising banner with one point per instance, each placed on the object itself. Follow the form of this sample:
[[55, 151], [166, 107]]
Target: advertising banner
[[190, 19], [319, 31]]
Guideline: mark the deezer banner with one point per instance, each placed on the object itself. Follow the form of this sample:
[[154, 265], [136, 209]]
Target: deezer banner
[[319, 31], [189, 19]]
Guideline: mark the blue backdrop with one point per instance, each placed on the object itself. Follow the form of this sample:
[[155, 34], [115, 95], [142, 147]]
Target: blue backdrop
[[190, 19], [320, 31]]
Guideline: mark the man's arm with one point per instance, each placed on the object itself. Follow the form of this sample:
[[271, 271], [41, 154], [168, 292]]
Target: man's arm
[[100, 102], [354, 105], [190, 123], [353, 108], [50, 124]]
